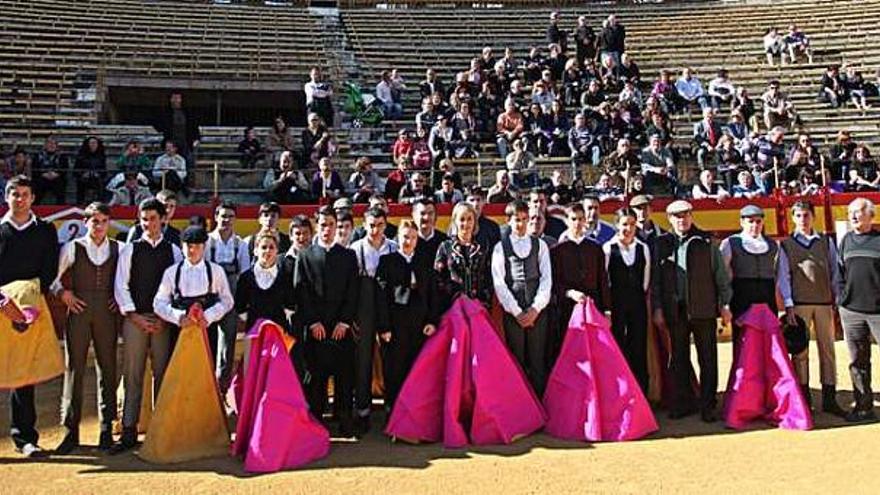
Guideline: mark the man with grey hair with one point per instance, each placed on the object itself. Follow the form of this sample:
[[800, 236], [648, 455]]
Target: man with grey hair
[[859, 302]]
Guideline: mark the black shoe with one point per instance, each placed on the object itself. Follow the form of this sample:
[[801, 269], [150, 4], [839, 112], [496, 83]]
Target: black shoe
[[105, 441], [346, 428], [127, 442], [362, 426], [829, 401], [681, 413], [709, 415], [860, 416], [68, 445]]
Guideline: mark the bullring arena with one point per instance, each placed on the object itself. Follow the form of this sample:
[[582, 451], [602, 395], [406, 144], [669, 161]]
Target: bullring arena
[[291, 107]]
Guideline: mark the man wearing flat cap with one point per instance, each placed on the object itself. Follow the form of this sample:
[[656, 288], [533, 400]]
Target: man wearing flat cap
[[648, 230], [750, 258], [690, 289]]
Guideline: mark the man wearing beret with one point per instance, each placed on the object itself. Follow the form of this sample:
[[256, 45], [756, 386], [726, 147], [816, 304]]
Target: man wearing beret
[[648, 230], [750, 259], [690, 289]]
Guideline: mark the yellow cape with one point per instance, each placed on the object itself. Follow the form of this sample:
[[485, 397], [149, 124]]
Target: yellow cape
[[33, 356], [188, 422]]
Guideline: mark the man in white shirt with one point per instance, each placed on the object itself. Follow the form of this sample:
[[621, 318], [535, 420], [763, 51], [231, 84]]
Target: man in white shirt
[[93, 317], [368, 251], [721, 90], [138, 275], [522, 277], [319, 96], [193, 280], [169, 171], [690, 89], [225, 248], [384, 92]]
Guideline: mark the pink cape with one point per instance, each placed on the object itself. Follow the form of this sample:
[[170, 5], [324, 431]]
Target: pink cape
[[762, 383], [591, 394], [465, 386], [275, 429]]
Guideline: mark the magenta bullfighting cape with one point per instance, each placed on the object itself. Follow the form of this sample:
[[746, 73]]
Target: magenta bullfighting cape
[[591, 394], [465, 386], [275, 429], [762, 383]]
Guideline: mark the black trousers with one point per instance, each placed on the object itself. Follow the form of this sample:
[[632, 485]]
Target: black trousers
[[24, 417], [629, 325], [328, 358], [529, 347], [706, 341], [398, 358]]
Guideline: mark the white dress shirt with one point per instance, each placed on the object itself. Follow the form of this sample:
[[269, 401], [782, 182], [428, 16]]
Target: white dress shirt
[[265, 277], [628, 253], [368, 256], [97, 255], [522, 247], [7, 218], [193, 283], [225, 252], [121, 290]]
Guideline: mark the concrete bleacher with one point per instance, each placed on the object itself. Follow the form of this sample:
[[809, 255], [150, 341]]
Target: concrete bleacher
[[53, 52]]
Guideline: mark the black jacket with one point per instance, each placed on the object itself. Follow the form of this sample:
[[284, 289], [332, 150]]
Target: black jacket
[[402, 304], [325, 285]]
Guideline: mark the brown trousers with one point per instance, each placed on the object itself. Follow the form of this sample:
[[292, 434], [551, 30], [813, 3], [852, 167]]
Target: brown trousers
[[821, 320]]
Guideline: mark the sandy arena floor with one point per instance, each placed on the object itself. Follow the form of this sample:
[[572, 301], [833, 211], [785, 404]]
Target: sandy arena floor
[[685, 456]]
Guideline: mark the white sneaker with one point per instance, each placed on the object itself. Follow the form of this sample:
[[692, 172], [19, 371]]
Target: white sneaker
[[30, 450]]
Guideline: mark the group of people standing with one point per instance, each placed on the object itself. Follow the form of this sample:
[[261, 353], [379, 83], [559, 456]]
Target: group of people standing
[[342, 292]]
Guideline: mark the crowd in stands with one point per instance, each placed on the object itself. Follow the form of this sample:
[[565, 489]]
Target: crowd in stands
[[575, 114]]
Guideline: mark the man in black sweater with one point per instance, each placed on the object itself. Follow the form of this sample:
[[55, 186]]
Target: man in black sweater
[[325, 283], [28, 250], [859, 302]]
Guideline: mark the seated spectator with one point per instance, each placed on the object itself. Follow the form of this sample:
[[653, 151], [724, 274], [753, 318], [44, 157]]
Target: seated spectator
[[707, 133], [462, 145], [608, 75], [797, 43], [628, 70], [422, 157], [573, 82], [739, 131], [402, 145], [636, 185], [90, 170], [558, 189], [391, 109], [398, 87], [364, 181], [721, 90], [630, 95], [440, 106], [447, 193], [397, 178], [555, 63], [774, 46], [856, 88], [690, 90], [659, 126], [133, 158], [326, 182], [746, 187], [833, 88], [707, 188], [249, 149], [664, 91], [744, 104], [658, 168], [501, 191], [288, 186], [605, 190], [509, 127], [518, 95], [537, 131], [559, 125], [533, 65], [542, 96], [464, 119], [317, 142], [431, 84], [728, 161], [778, 109], [428, 116], [130, 192], [169, 170], [841, 155], [863, 174], [807, 185], [592, 98], [447, 167], [439, 138], [49, 167], [508, 63], [521, 165], [417, 189], [803, 156], [117, 180], [583, 145], [770, 158], [19, 163], [622, 163], [280, 137]]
